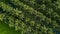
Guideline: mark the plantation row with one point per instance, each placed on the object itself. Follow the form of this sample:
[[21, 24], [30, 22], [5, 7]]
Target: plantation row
[[49, 12], [30, 18], [28, 8], [52, 15]]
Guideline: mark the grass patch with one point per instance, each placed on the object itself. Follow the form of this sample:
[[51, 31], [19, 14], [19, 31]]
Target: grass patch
[[5, 29]]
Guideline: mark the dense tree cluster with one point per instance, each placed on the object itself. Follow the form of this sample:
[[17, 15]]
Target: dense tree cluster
[[31, 16]]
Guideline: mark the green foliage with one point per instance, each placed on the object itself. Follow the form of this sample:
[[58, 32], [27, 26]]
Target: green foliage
[[31, 16], [2, 16]]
